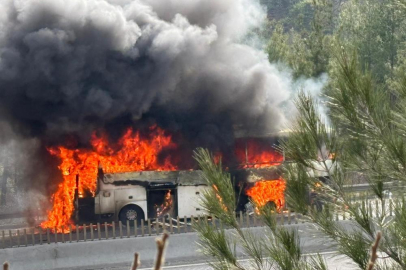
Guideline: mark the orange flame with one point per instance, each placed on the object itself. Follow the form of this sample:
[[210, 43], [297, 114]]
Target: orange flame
[[134, 154], [268, 191], [257, 154]]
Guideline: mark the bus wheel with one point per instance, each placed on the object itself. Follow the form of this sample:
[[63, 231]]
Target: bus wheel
[[132, 213]]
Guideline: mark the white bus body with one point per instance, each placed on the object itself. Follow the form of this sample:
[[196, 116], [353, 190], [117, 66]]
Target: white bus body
[[135, 193]]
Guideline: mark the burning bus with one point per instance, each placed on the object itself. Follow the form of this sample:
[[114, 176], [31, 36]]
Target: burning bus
[[137, 195], [129, 181], [132, 95], [134, 196]]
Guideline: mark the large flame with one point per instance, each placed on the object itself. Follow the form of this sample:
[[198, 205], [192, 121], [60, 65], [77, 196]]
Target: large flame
[[134, 154], [257, 154], [268, 191]]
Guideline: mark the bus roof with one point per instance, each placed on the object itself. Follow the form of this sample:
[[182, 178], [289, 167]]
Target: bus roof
[[186, 178]]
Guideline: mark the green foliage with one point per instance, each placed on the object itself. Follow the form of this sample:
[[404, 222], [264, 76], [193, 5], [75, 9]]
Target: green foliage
[[305, 46], [215, 244], [360, 44], [318, 263], [397, 83], [366, 136], [297, 188], [280, 248], [221, 200], [290, 49], [303, 33], [355, 246], [376, 30]]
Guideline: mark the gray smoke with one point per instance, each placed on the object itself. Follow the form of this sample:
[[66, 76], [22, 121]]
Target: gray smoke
[[72, 67], [69, 68]]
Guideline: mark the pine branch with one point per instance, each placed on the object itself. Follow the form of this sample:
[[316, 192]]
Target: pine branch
[[220, 201], [161, 244], [136, 262], [374, 251]]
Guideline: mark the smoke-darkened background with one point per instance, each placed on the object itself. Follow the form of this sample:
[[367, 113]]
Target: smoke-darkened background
[[69, 68]]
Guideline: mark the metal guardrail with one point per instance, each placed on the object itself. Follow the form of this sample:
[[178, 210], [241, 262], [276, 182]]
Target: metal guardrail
[[117, 230], [367, 187], [12, 215]]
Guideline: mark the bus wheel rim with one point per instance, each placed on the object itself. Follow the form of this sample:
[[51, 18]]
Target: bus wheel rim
[[131, 214]]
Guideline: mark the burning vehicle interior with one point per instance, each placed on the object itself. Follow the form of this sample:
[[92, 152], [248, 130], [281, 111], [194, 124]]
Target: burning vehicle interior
[[162, 202]]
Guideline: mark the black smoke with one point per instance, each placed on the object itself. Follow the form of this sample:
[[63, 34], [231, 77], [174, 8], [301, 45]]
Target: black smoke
[[69, 68]]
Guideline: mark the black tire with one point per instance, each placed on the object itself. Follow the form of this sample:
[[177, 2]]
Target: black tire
[[132, 213]]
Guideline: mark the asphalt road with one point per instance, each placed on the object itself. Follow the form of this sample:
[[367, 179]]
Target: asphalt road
[[182, 252], [333, 261]]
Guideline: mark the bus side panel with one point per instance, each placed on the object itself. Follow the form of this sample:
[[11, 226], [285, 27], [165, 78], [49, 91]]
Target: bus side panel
[[135, 193], [110, 201], [104, 202], [189, 200], [130, 195], [121, 204]]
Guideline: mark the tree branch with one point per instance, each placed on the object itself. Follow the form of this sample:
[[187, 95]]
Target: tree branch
[[161, 244], [136, 262], [374, 251]]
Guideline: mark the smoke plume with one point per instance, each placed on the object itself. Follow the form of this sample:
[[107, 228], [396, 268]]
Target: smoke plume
[[69, 68], [72, 67]]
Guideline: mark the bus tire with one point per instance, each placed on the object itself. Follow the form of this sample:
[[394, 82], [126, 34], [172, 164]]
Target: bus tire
[[132, 213]]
